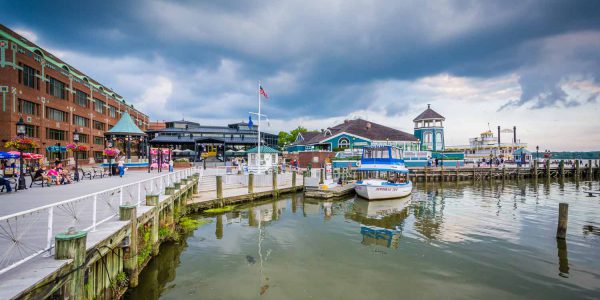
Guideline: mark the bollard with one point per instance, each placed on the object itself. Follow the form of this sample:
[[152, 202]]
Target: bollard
[[220, 187], [151, 200], [130, 265], [294, 180], [177, 185], [563, 216], [251, 183], [71, 245], [170, 190]]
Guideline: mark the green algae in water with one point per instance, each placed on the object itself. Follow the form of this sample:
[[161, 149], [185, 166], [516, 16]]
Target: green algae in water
[[218, 210], [188, 224]]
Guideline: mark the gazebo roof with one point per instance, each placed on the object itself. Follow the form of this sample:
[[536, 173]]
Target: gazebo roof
[[263, 149], [125, 126]]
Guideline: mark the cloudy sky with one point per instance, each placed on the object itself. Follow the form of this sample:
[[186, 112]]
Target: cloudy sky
[[530, 64]]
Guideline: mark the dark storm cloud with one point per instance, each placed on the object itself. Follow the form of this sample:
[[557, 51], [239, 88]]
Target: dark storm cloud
[[334, 51]]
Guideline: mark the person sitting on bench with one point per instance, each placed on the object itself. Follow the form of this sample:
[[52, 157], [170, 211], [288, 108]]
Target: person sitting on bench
[[6, 183]]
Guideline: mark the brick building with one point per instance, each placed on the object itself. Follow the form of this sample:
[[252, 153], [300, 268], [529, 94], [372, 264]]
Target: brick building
[[54, 99]]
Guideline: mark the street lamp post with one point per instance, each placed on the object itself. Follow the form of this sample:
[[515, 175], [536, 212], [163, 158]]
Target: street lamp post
[[110, 145], [537, 154], [21, 134], [76, 141]]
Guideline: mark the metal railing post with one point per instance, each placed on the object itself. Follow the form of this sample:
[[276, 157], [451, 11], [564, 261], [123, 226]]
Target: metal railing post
[[94, 218], [50, 237], [139, 193], [121, 196]]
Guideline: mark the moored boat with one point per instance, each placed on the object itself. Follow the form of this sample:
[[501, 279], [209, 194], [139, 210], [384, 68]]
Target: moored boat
[[385, 173]]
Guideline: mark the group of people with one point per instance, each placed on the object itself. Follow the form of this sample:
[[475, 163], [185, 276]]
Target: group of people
[[55, 175]]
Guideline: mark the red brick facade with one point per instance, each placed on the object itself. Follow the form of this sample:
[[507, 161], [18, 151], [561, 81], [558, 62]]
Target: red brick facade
[[54, 98]]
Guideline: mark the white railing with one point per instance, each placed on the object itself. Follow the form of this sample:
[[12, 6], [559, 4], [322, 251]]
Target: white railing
[[25, 235]]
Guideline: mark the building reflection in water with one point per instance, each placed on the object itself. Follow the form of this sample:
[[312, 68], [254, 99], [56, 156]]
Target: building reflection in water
[[381, 221]]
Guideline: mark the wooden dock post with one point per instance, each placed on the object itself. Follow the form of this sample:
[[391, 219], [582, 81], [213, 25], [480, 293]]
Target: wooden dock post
[[563, 216], [456, 179], [322, 179], [547, 168], [535, 168], [219, 187], [577, 168], [71, 245], [590, 172], [561, 168], [251, 183], [425, 174], [130, 259], [275, 191], [294, 181]]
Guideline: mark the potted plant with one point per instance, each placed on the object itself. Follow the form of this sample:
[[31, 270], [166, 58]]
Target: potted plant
[[21, 143], [110, 153]]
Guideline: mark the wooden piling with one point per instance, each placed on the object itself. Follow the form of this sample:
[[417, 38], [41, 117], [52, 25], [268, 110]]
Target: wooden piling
[[251, 183], [294, 180], [220, 187], [561, 168], [275, 191], [590, 173], [547, 168], [71, 245], [322, 174], [577, 168], [563, 216]]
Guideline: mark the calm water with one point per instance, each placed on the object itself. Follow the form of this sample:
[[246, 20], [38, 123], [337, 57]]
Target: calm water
[[456, 241]]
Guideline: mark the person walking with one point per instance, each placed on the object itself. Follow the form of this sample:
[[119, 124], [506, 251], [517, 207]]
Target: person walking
[[171, 165], [121, 166]]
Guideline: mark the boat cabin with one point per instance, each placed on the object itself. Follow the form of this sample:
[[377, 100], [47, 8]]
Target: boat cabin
[[385, 155]]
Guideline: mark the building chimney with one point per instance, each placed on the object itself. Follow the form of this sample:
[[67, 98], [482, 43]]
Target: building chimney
[[515, 134], [498, 135]]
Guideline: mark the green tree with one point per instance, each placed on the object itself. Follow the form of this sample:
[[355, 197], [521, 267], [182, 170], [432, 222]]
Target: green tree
[[290, 137]]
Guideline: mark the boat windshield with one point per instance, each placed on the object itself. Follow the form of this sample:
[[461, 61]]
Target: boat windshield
[[376, 153]]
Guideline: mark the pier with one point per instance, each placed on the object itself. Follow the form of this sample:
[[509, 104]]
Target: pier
[[94, 245]]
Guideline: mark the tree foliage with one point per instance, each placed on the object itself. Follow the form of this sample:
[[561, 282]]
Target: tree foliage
[[290, 137]]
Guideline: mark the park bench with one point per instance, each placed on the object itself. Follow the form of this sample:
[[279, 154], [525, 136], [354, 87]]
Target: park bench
[[37, 181], [86, 173]]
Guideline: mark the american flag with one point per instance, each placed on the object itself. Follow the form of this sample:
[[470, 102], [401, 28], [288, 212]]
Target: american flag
[[262, 92]]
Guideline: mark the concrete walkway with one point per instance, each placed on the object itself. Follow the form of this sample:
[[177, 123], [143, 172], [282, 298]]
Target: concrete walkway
[[37, 196]]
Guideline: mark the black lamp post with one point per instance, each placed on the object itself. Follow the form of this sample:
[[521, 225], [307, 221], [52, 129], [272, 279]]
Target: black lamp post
[[110, 145], [21, 134], [537, 153], [76, 140]]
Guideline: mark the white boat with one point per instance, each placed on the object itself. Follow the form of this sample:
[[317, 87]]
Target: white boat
[[386, 162]]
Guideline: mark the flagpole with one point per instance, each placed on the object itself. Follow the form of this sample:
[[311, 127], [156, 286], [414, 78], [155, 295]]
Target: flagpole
[[259, 117]]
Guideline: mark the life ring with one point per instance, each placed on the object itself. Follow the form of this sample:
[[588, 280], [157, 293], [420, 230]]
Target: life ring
[[358, 163]]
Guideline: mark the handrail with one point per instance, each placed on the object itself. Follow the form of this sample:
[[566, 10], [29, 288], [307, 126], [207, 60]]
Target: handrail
[[16, 225]]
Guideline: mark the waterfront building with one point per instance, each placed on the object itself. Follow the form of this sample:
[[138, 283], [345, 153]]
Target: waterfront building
[[209, 141], [489, 146], [429, 129], [269, 159], [353, 134], [54, 99]]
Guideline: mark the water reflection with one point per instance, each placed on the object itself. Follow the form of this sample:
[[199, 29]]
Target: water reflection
[[563, 260], [381, 221]]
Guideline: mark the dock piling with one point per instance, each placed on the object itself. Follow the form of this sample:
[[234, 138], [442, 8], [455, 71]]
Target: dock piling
[[71, 245], [251, 183], [220, 187], [563, 216], [130, 259]]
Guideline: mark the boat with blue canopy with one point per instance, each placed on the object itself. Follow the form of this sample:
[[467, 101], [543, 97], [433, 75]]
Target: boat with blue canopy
[[385, 175]]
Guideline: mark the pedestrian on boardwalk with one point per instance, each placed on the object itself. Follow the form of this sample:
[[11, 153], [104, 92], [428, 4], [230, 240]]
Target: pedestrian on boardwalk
[[171, 165], [121, 166]]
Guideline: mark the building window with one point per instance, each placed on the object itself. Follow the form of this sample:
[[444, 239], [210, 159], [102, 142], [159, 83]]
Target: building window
[[81, 98], [438, 141], [56, 88], [83, 138], [55, 114], [27, 107], [112, 111], [99, 106], [81, 121], [98, 140], [27, 77], [55, 134], [343, 143], [32, 131], [98, 125]]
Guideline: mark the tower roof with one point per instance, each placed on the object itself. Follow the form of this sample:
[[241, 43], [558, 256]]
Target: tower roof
[[429, 114], [125, 126]]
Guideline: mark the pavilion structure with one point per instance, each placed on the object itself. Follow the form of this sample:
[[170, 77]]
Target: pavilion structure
[[128, 136]]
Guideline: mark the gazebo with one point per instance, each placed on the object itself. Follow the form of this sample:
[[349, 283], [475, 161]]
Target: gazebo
[[127, 133], [269, 159]]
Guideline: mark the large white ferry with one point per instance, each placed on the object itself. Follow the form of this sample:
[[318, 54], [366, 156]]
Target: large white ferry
[[385, 173], [488, 145]]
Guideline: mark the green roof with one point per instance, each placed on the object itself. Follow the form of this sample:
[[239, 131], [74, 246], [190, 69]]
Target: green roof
[[263, 149], [125, 126]]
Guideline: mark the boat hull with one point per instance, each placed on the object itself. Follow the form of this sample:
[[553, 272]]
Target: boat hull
[[377, 191]]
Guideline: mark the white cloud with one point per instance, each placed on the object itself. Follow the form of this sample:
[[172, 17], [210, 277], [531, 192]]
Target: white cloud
[[28, 34]]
